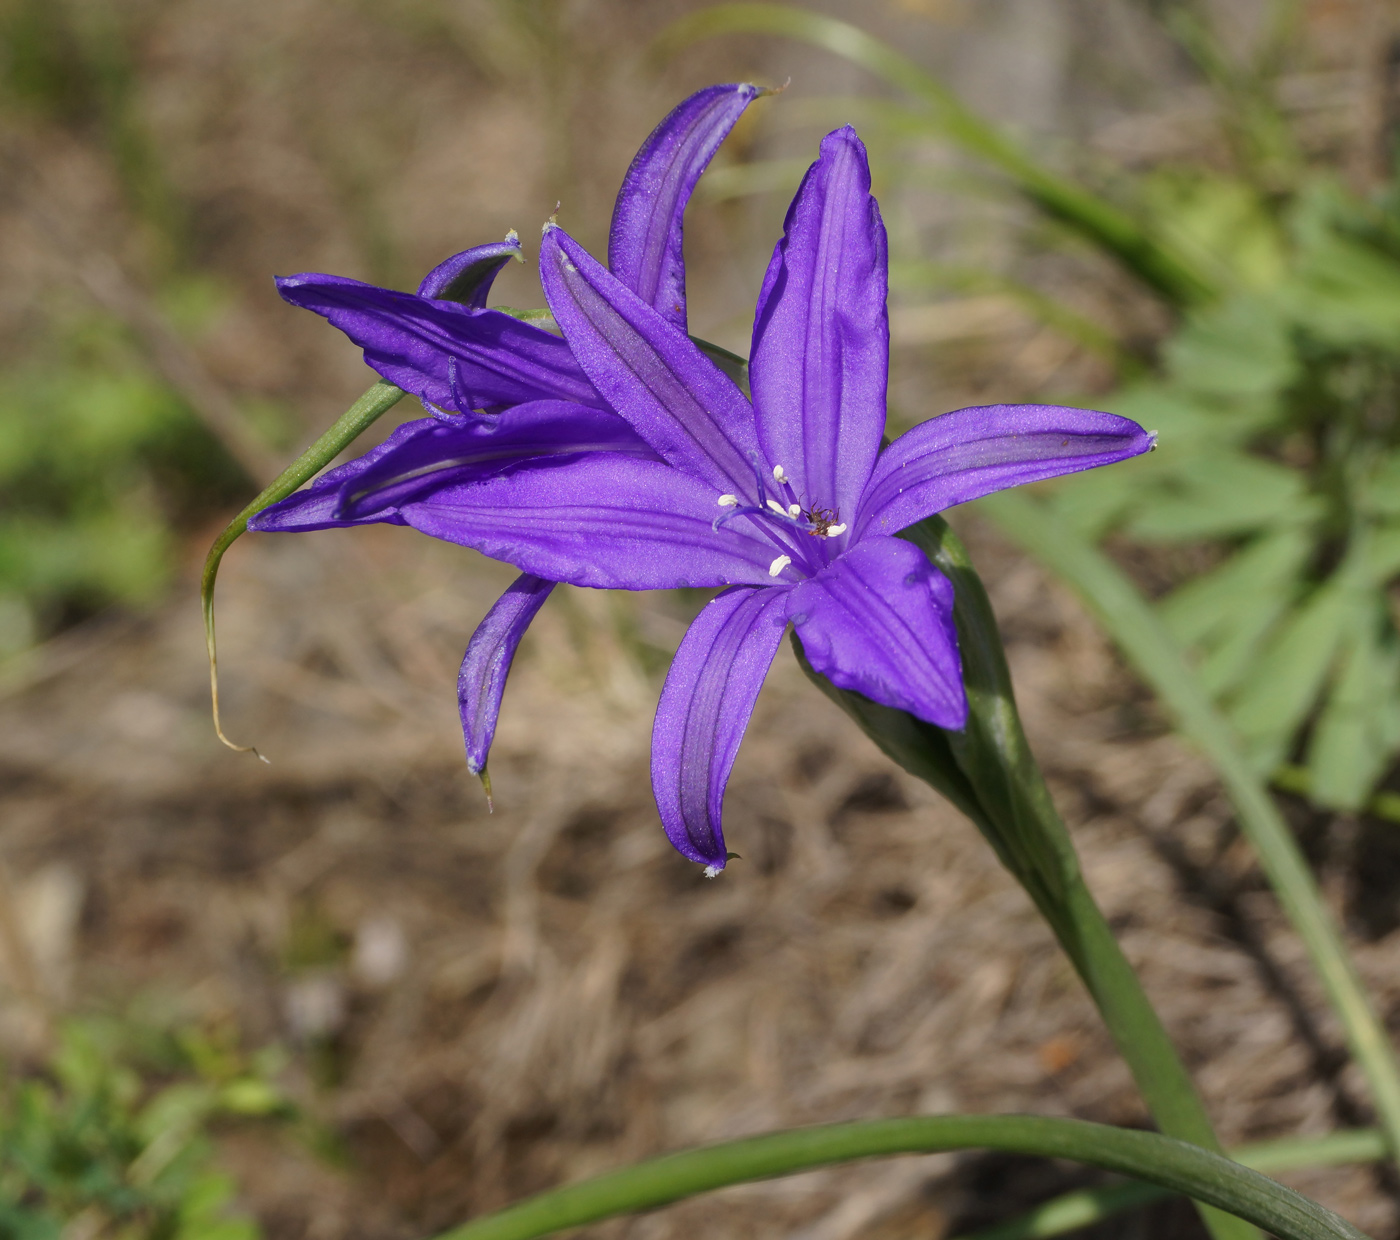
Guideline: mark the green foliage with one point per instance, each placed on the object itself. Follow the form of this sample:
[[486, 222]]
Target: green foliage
[[1281, 451], [113, 1137], [99, 462]]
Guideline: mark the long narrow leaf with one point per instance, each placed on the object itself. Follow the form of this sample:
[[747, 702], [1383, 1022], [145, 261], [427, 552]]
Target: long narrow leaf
[[1174, 1165], [1071, 1211], [349, 426], [1107, 226]]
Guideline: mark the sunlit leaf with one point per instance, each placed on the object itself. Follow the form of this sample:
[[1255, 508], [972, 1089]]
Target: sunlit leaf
[[1282, 686], [1218, 494], [1350, 746]]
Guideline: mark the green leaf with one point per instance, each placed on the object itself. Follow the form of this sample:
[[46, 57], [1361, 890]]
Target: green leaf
[[1352, 745], [1113, 230], [1172, 1164], [1082, 1207], [373, 405], [1241, 348], [1282, 686], [1219, 494], [1198, 610], [1227, 613]]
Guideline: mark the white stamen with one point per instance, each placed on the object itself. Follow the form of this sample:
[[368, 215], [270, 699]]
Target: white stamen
[[833, 530], [779, 564], [779, 474], [794, 510], [711, 871], [728, 501], [777, 507]]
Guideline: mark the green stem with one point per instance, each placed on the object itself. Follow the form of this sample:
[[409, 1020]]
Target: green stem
[[1142, 637], [989, 771], [1174, 1165], [376, 402], [1085, 1206]]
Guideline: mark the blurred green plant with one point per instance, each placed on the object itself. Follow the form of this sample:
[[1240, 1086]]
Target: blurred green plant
[[112, 1139], [99, 463], [102, 459]]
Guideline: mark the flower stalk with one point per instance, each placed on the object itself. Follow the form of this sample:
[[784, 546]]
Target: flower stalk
[[988, 771]]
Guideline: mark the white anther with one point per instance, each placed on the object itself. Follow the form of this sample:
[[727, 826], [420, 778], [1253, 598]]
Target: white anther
[[779, 474], [728, 501], [794, 510], [833, 530], [779, 564], [777, 507], [711, 871]]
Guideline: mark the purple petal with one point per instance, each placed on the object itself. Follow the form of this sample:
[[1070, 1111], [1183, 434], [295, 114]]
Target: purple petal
[[605, 520], [497, 359], [467, 277], [704, 709], [648, 370], [879, 620], [644, 247], [821, 338], [972, 452], [426, 455], [482, 680]]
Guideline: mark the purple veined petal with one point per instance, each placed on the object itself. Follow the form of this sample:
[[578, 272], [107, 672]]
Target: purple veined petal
[[879, 620], [606, 520], [648, 370], [704, 709], [426, 455], [482, 680], [645, 243], [821, 338], [467, 277], [497, 359], [968, 453]]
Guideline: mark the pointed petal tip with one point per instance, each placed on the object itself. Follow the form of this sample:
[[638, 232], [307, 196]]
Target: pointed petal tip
[[760, 92], [485, 777]]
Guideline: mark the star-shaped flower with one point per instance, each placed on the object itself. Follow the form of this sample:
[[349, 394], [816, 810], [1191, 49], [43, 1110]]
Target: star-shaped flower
[[787, 500]]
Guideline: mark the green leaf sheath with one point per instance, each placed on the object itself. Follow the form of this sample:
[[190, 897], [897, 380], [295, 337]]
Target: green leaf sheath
[[373, 405], [1071, 1211], [1149, 258], [989, 772], [1170, 1164], [1145, 641]]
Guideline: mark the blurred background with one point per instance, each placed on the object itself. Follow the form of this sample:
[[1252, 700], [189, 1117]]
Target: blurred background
[[333, 997]]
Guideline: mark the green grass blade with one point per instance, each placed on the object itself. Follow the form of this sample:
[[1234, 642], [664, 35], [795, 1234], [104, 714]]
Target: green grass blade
[[368, 409], [1101, 222], [1170, 1164], [1085, 1206], [1144, 640]]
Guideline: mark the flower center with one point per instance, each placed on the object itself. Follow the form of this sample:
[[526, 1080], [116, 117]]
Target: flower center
[[780, 514]]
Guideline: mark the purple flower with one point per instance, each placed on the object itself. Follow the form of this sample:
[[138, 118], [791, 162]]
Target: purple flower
[[787, 501], [502, 391]]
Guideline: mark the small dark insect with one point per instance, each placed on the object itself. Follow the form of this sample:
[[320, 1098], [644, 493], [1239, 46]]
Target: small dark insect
[[822, 520]]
